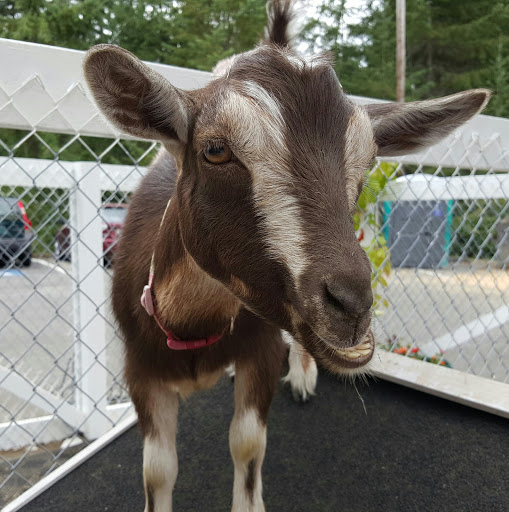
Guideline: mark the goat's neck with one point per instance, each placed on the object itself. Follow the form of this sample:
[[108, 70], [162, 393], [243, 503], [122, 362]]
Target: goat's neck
[[190, 302]]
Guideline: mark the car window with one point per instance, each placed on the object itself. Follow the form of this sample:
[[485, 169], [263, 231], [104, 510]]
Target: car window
[[8, 207], [11, 222], [114, 215]]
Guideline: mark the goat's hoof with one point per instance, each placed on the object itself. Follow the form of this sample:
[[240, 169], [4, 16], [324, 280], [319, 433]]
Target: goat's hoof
[[303, 383], [230, 372], [300, 396], [301, 391]]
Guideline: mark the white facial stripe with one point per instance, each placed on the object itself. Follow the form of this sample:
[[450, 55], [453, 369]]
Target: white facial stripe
[[249, 124], [282, 220], [360, 149], [264, 99], [256, 126]]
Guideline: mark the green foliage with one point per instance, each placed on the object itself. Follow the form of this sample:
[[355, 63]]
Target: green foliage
[[190, 33], [474, 228], [377, 250], [500, 80], [52, 146], [206, 31]]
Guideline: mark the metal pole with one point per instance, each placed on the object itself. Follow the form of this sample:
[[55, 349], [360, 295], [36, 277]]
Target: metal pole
[[400, 49]]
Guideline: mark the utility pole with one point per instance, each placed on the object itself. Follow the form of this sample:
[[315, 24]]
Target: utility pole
[[400, 49]]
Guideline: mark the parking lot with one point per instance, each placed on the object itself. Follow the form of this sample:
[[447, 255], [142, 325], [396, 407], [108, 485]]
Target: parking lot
[[37, 333], [461, 310]]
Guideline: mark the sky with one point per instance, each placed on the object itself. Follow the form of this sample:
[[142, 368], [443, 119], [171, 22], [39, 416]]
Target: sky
[[353, 7]]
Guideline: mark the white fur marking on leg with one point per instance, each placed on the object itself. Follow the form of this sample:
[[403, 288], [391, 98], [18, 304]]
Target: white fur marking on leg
[[160, 469], [230, 370], [160, 461], [303, 371], [248, 439]]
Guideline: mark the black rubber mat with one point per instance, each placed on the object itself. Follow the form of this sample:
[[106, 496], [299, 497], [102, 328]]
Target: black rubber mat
[[408, 452]]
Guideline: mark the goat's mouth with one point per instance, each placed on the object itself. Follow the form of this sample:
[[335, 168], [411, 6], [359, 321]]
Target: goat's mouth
[[338, 359], [356, 356]]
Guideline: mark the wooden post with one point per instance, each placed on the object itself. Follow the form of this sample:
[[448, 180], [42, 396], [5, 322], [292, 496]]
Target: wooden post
[[400, 49]]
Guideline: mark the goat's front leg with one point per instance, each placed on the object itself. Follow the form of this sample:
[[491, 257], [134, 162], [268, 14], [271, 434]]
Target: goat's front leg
[[254, 388], [158, 418]]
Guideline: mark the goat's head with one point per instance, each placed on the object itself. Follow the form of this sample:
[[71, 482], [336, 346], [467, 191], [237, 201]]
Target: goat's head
[[271, 158]]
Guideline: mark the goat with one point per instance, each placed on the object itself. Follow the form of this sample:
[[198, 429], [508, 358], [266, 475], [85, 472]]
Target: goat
[[243, 227]]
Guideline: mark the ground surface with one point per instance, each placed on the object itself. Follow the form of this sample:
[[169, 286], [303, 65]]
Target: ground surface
[[410, 452]]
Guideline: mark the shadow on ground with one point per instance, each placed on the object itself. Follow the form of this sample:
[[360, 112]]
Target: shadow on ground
[[408, 452]]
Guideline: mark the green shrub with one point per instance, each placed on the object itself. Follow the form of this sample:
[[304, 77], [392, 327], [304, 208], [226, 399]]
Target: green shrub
[[474, 228]]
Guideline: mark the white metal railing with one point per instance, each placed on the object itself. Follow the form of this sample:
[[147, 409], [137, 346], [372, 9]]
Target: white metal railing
[[89, 413], [44, 92]]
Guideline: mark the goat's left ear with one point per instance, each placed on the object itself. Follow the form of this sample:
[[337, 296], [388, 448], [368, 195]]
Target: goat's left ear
[[134, 97], [402, 128]]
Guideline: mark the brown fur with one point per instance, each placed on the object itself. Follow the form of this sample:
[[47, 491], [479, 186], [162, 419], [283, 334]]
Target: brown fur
[[265, 238], [185, 284]]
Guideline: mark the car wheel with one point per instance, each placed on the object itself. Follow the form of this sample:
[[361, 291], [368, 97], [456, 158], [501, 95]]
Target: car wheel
[[26, 258], [60, 253]]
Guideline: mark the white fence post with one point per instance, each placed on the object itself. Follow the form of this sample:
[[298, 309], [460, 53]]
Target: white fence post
[[88, 299]]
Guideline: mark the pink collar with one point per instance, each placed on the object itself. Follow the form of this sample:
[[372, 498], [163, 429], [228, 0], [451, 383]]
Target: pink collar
[[149, 302]]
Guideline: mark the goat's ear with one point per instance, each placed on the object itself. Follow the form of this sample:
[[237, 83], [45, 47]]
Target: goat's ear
[[134, 97], [402, 128]]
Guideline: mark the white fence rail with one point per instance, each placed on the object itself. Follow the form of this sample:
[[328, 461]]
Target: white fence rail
[[60, 357]]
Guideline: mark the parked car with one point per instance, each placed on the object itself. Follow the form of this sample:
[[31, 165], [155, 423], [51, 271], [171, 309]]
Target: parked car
[[113, 216], [16, 233]]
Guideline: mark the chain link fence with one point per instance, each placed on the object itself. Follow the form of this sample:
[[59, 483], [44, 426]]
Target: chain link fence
[[61, 364], [443, 287], [435, 227]]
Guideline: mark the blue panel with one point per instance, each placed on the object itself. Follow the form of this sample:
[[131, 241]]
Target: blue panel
[[10, 273]]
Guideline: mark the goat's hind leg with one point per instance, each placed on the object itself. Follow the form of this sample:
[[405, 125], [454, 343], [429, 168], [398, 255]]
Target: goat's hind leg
[[302, 373], [157, 414]]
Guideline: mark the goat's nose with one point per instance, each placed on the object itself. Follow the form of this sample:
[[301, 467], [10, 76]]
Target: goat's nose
[[349, 295]]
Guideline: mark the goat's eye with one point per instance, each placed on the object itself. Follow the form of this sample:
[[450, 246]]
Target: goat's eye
[[218, 154]]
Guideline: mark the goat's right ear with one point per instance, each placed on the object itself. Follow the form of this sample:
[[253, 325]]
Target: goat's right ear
[[134, 97], [402, 128]]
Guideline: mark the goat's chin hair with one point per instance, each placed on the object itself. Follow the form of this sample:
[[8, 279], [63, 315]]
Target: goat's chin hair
[[352, 375]]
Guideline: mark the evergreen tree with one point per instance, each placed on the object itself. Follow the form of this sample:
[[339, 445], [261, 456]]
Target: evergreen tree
[[451, 46], [190, 33]]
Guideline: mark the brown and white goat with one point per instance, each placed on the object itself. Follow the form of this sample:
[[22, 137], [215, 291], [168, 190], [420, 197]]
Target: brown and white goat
[[263, 167]]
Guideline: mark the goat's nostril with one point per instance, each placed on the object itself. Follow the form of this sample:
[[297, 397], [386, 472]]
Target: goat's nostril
[[349, 301], [334, 301]]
